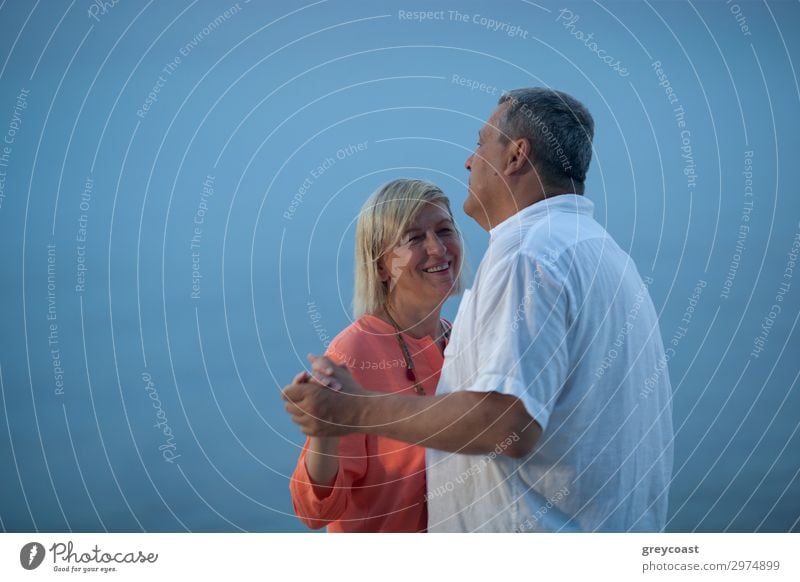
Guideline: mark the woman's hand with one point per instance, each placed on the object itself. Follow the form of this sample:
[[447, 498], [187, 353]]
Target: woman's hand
[[334, 376]]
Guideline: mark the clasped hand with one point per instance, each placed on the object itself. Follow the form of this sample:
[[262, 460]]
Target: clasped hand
[[326, 403]]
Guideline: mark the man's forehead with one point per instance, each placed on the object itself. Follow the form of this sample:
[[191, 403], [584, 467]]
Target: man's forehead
[[493, 121]]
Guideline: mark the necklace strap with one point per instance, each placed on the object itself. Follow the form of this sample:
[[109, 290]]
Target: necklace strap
[[446, 328], [410, 374]]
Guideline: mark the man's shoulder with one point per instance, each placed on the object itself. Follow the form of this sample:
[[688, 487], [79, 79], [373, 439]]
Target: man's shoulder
[[564, 237]]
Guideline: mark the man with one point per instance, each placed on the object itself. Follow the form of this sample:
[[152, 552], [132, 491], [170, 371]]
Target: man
[[541, 420]]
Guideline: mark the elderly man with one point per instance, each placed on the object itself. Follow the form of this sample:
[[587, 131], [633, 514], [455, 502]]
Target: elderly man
[[553, 410]]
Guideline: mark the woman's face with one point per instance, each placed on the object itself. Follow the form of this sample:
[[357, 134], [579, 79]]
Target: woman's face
[[423, 267]]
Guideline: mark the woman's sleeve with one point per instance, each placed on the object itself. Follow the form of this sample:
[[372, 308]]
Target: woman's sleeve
[[316, 512]]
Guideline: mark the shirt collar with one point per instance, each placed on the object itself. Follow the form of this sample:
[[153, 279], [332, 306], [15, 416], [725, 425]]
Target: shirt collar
[[575, 203]]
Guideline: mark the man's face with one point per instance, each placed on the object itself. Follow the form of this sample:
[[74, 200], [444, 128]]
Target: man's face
[[488, 190]]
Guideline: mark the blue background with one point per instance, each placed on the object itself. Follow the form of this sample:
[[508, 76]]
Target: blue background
[[261, 99]]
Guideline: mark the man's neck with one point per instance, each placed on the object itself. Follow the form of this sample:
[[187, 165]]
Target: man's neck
[[519, 199], [523, 197]]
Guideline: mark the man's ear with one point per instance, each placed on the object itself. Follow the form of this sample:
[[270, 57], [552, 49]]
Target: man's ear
[[519, 156]]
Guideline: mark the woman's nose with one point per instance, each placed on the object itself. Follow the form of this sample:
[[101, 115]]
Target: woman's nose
[[434, 245]]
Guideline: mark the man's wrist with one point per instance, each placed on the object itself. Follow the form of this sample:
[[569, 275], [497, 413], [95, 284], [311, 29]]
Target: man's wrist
[[360, 411]]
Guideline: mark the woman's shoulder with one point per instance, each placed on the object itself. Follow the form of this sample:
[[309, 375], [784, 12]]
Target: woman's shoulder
[[357, 337], [366, 325]]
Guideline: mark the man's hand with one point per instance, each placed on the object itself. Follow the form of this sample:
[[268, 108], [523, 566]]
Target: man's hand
[[321, 411], [465, 422]]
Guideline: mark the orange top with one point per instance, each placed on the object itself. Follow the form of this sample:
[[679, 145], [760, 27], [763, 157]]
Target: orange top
[[380, 485]]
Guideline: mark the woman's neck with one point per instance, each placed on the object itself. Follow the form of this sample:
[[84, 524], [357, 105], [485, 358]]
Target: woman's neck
[[418, 322]]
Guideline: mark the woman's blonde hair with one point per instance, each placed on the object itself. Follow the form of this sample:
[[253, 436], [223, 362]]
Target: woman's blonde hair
[[382, 222]]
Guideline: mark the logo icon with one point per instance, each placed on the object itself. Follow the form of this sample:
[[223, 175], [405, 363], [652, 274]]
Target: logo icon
[[31, 555]]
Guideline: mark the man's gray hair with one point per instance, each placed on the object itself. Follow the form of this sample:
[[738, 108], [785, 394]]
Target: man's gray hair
[[559, 128]]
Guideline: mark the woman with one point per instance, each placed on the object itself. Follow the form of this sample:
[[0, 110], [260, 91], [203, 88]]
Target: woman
[[408, 262]]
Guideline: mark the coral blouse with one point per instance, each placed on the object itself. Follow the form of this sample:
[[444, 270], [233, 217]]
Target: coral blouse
[[380, 485]]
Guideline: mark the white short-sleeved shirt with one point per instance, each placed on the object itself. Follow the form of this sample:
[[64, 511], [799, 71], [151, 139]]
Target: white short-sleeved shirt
[[559, 317]]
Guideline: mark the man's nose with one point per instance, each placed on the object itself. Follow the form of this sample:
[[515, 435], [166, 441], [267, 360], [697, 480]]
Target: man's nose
[[468, 163]]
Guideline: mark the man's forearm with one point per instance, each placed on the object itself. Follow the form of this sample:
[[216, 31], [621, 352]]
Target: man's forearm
[[464, 422]]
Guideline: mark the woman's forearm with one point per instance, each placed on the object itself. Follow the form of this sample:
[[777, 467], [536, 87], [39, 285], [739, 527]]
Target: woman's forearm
[[322, 463]]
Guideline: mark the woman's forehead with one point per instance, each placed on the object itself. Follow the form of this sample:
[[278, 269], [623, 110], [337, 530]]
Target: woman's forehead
[[430, 213]]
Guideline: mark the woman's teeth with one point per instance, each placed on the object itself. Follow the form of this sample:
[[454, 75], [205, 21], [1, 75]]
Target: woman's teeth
[[437, 269]]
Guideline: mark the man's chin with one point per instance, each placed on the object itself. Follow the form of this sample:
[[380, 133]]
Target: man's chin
[[469, 205], [476, 212]]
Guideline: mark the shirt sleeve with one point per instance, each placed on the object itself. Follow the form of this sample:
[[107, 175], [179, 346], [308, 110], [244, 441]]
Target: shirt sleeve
[[316, 512], [309, 508], [522, 334]]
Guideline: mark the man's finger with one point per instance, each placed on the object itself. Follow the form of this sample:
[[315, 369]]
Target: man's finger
[[295, 392], [308, 426], [294, 409], [300, 420]]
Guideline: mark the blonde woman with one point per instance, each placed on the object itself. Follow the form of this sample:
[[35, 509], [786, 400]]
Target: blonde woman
[[408, 262]]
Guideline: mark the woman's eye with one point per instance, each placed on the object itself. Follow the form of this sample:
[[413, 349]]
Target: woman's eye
[[446, 231]]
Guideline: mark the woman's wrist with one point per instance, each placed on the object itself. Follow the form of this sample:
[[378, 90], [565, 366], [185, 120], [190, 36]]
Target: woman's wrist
[[324, 445], [322, 464]]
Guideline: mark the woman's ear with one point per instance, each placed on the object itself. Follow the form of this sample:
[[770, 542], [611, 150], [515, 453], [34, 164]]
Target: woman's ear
[[383, 274]]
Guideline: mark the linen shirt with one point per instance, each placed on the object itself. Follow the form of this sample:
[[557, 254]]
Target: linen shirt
[[380, 485], [559, 317]]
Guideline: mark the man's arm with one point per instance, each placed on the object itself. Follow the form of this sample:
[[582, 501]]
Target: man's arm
[[465, 422]]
